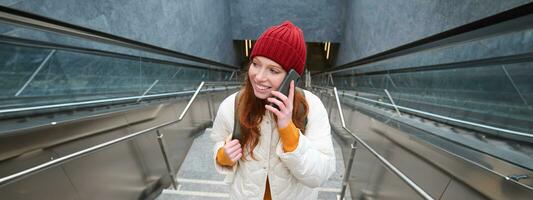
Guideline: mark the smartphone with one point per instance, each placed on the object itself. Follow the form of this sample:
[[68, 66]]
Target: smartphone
[[286, 84]]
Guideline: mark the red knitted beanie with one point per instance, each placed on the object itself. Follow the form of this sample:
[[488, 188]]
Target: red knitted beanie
[[284, 44]]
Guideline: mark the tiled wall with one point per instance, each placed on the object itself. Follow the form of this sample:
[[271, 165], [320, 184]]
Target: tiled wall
[[320, 20], [376, 26], [201, 28]]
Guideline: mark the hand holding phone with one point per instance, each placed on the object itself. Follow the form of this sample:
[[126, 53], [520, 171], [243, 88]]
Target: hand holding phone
[[281, 104]]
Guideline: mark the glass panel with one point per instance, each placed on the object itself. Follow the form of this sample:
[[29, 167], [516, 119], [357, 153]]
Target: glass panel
[[497, 95], [479, 82], [42, 68]]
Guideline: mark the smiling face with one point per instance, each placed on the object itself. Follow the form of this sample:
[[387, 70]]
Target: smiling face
[[265, 75]]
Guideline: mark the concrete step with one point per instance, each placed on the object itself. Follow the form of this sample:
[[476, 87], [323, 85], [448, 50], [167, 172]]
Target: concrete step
[[198, 180], [202, 185], [191, 195], [199, 189], [209, 189]]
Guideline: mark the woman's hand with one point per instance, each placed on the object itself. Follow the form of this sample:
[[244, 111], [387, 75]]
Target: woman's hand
[[233, 150], [284, 114]]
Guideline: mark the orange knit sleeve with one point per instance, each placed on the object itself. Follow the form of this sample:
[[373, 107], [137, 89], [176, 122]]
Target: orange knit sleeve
[[289, 137], [222, 159]]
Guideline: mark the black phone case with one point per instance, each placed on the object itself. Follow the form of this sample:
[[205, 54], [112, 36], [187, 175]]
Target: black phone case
[[286, 84]]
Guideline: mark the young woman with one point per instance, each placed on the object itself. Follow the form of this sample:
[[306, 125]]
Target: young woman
[[285, 153]]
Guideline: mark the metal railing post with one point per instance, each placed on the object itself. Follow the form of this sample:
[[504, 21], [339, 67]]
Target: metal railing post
[[348, 170], [167, 163]]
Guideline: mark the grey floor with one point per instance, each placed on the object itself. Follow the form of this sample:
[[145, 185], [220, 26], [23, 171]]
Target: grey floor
[[198, 180]]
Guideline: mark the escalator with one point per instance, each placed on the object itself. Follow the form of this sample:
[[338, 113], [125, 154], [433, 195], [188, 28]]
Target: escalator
[[445, 117], [88, 115]]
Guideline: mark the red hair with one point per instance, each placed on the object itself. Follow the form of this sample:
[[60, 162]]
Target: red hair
[[252, 109]]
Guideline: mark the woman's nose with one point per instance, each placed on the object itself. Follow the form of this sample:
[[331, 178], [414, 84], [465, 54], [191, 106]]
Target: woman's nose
[[261, 75]]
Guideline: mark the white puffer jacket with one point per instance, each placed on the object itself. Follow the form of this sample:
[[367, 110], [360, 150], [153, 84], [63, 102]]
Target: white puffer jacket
[[291, 175]]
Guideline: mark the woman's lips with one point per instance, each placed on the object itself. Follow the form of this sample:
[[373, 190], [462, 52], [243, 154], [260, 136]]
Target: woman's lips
[[261, 88]]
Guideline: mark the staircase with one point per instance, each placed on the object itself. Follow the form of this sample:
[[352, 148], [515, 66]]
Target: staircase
[[198, 180]]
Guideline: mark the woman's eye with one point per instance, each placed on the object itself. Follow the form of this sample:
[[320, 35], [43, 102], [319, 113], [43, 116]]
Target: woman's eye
[[274, 71]]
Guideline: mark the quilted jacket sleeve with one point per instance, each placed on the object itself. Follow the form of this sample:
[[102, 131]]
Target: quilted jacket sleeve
[[222, 130], [313, 160]]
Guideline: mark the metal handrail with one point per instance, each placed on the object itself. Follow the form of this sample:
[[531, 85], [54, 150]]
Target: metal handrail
[[384, 161], [22, 174], [109, 100], [21, 18], [339, 106], [190, 102], [517, 133], [225, 83], [391, 167]]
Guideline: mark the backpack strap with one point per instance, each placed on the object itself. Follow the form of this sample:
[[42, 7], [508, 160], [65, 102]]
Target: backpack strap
[[301, 105], [237, 126]]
